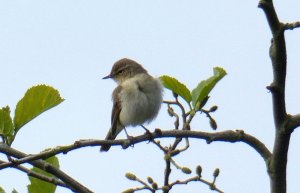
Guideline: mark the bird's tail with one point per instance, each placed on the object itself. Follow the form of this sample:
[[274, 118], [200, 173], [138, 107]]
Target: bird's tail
[[111, 136]]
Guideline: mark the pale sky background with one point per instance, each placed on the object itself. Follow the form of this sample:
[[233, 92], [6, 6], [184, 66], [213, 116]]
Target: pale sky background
[[72, 44]]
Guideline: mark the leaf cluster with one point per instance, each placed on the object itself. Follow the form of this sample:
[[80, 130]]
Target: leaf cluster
[[199, 95]]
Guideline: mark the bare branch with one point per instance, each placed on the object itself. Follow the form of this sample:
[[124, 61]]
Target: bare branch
[[177, 103], [69, 181], [225, 136], [278, 58], [293, 122], [268, 8], [167, 175], [195, 179], [40, 176], [291, 26], [173, 114], [284, 125], [157, 143]]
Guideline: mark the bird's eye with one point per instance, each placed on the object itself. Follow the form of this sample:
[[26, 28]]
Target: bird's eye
[[120, 71]]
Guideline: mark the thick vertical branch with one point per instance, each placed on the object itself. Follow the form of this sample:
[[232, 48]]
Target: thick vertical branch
[[278, 162], [278, 58]]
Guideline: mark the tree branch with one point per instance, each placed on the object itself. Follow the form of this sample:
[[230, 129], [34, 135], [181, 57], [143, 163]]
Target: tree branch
[[167, 174], [268, 8], [291, 26], [69, 181], [40, 176], [225, 136], [278, 58], [195, 179], [294, 122], [283, 122]]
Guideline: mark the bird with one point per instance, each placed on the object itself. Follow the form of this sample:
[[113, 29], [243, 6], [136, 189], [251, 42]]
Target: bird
[[136, 99]]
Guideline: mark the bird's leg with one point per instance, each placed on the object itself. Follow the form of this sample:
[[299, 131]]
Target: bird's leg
[[129, 137], [148, 133]]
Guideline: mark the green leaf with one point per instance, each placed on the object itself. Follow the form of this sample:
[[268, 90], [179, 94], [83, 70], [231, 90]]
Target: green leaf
[[177, 87], [14, 191], [38, 186], [204, 87], [6, 124], [1, 190], [37, 100]]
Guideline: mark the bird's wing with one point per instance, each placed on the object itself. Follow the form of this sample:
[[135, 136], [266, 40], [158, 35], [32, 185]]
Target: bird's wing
[[116, 125], [115, 111]]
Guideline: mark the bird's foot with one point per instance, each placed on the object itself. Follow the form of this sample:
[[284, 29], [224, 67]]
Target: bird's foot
[[148, 133], [129, 138]]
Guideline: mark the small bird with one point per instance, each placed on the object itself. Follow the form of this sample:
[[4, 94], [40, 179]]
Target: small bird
[[136, 99]]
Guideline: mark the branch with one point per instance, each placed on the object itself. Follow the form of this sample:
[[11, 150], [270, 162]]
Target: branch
[[40, 176], [291, 26], [195, 179], [294, 122], [283, 123], [268, 8], [152, 186], [225, 136], [167, 174], [278, 58], [70, 182]]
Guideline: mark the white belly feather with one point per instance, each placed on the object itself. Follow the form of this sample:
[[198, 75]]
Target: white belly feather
[[141, 98]]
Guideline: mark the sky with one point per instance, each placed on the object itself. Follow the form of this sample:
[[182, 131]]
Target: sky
[[72, 44]]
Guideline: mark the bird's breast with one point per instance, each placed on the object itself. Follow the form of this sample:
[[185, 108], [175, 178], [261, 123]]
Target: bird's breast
[[141, 99]]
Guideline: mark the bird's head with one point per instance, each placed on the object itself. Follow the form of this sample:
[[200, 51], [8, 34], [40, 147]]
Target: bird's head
[[124, 69]]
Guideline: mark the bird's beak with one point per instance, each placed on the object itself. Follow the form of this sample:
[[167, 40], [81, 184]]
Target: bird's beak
[[107, 77]]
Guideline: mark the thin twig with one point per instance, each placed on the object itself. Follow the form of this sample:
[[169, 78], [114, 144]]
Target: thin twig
[[291, 26], [183, 113], [157, 143], [195, 179], [294, 122], [167, 174], [146, 186]]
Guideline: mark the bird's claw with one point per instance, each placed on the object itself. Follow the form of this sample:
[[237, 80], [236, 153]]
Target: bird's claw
[[149, 134], [130, 139]]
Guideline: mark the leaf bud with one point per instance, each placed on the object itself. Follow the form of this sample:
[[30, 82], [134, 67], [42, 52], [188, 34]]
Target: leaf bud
[[165, 188], [130, 176], [213, 108], [199, 171], [170, 111], [186, 170], [216, 172], [150, 180], [154, 186], [213, 124], [129, 191]]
